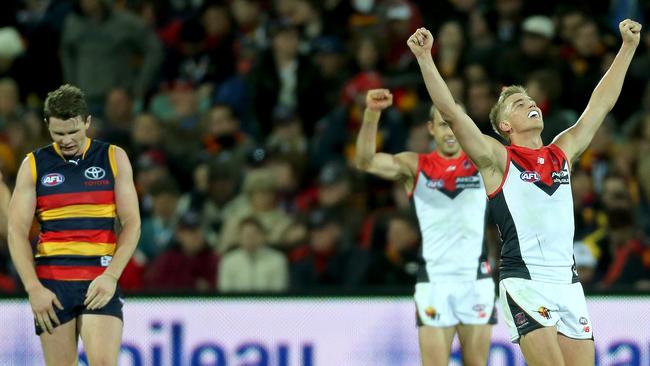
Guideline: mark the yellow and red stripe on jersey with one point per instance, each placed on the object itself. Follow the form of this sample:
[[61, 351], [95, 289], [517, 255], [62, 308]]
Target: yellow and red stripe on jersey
[[78, 211], [69, 273], [50, 201]]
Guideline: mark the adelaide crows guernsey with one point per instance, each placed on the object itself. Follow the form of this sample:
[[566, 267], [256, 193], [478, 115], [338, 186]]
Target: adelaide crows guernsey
[[76, 211], [533, 209], [449, 199]]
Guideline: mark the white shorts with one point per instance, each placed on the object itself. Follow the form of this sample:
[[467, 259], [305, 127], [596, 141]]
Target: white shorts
[[446, 304], [528, 305]]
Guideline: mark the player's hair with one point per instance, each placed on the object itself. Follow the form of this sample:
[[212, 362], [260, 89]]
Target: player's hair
[[64, 103], [433, 112], [497, 111]]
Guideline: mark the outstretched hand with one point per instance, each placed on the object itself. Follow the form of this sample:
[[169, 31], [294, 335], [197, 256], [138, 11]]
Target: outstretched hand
[[420, 42], [630, 32], [379, 99]]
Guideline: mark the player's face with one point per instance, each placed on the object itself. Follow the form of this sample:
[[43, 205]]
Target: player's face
[[446, 142], [69, 134], [522, 113]]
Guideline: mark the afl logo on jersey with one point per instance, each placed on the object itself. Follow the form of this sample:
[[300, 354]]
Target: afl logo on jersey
[[52, 179], [94, 173], [436, 184], [530, 176]]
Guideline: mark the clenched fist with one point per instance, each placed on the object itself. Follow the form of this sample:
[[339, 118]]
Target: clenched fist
[[379, 99], [630, 32], [420, 42]]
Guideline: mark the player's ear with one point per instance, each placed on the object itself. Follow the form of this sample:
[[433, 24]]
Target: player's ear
[[87, 122], [505, 126], [430, 125]]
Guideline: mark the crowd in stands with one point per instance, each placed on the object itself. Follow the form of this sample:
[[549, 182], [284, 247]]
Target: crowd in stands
[[240, 118]]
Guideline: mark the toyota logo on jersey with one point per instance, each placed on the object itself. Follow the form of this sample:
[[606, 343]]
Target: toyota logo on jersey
[[530, 176], [94, 173], [52, 179]]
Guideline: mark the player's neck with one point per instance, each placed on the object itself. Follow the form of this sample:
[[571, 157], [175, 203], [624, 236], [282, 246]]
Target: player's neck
[[448, 156], [529, 139]]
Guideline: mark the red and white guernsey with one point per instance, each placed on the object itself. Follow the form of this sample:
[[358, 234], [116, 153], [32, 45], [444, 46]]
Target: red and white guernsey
[[449, 199], [533, 209]]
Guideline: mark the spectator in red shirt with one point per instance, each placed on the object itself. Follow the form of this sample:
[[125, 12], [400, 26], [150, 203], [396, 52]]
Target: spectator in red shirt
[[189, 265]]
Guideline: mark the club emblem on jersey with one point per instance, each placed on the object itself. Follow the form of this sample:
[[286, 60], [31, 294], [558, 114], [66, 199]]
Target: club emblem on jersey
[[94, 173], [435, 183], [583, 320], [52, 179], [431, 312], [521, 320], [480, 309], [467, 165], [561, 177], [543, 311], [530, 176]]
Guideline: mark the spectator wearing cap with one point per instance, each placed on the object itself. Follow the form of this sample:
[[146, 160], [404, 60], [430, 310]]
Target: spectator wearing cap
[[324, 261], [284, 77], [158, 229], [535, 51], [213, 195], [287, 137], [222, 135], [259, 200], [329, 57], [253, 266], [96, 67], [335, 195], [335, 134], [150, 167], [189, 264]]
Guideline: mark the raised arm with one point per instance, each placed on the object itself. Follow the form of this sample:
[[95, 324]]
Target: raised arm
[[101, 290], [485, 151], [401, 166], [576, 138]]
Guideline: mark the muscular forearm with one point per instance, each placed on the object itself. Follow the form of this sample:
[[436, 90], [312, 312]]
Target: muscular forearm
[[609, 88], [437, 88], [23, 260], [367, 139], [126, 244]]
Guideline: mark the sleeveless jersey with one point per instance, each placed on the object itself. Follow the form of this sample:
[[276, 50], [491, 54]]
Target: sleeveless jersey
[[533, 209], [449, 199], [76, 211]]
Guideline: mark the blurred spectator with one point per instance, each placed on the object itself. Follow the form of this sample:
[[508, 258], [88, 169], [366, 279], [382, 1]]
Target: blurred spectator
[[250, 19], [396, 263], [285, 78], [330, 59], [287, 137], [149, 168], [585, 263], [508, 16], [189, 265], [97, 66], [545, 86], [535, 51], [324, 261], [222, 135], [10, 108], [146, 134], [448, 53], [260, 201], [158, 229], [12, 64], [253, 266], [480, 99], [117, 122]]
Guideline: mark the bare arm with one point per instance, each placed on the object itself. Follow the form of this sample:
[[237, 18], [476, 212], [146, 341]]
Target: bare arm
[[22, 207], [577, 138], [394, 167], [102, 288], [485, 151], [5, 197]]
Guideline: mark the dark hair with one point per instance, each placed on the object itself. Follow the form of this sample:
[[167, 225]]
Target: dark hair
[[64, 103], [252, 220]]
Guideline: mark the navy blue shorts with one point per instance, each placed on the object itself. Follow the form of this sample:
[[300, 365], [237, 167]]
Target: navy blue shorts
[[72, 294]]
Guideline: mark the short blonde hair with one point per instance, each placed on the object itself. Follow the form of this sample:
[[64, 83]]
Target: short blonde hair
[[497, 111]]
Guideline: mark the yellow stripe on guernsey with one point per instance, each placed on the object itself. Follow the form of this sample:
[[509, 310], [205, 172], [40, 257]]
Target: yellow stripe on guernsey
[[111, 159], [78, 211], [32, 165], [74, 248]]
